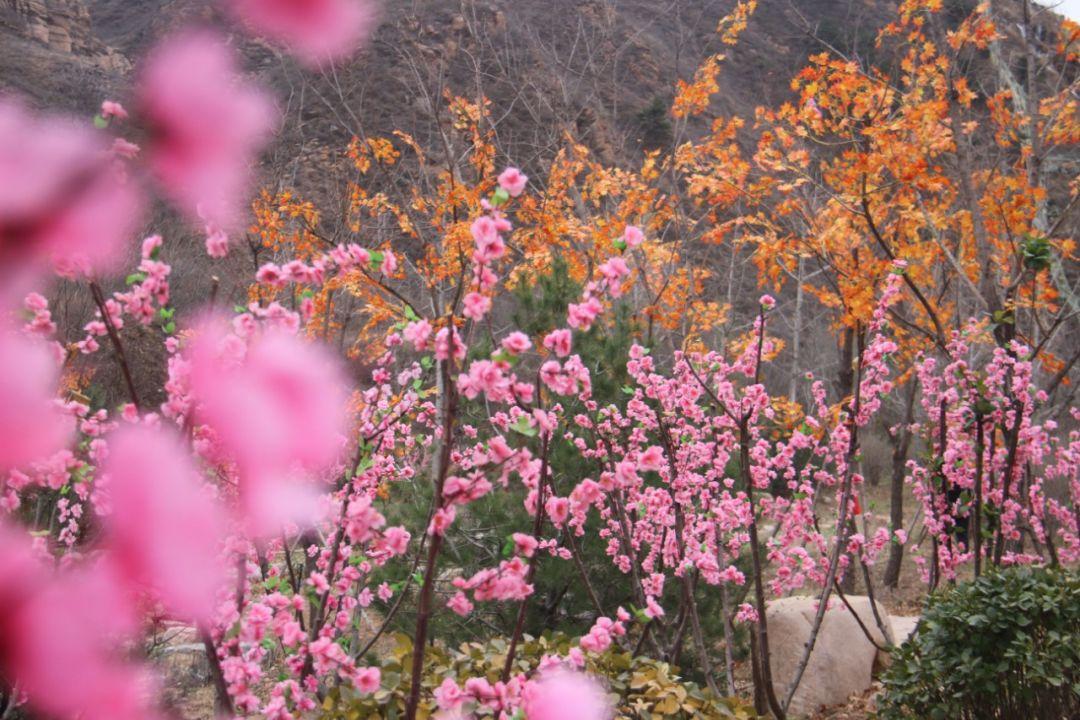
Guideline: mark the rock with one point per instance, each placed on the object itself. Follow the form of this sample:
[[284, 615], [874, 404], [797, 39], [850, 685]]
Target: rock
[[902, 627], [65, 27], [843, 659]]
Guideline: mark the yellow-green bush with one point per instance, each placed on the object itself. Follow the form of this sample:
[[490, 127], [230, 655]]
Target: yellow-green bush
[[641, 687]]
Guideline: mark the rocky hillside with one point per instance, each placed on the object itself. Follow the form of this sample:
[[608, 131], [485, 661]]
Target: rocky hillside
[[588, 66], [591, 66], [64, 26]]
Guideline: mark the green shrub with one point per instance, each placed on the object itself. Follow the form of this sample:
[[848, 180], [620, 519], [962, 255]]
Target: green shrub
[[641, 687], [1005, 646]]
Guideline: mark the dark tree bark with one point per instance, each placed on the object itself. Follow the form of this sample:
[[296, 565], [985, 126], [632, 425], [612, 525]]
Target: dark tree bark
[[896, 489]]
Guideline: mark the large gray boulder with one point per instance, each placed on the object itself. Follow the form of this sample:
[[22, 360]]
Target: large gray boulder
[[843, 659], [902, 627]]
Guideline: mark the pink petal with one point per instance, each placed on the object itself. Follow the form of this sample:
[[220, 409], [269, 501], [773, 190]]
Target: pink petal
[[314, 30], [64, 198], [280, 410], [566, 695], [164, 531], [32, 427], [207, 125], [62, 647]]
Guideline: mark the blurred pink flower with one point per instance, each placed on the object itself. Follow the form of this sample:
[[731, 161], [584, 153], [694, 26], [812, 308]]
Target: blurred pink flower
[[314, 30], [64, 199], [206, 125], [565, 695], [164, 531], [279, 408], [217, 242], [32, 426], [60, 646]]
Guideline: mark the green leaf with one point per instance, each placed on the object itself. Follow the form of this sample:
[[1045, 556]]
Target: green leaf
[[364, 464], [521, 425], [134, 278], [100, 123], [500, 197], [504, 356]]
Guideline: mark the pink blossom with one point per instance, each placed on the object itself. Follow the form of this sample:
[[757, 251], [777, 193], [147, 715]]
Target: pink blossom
[[614, 271], [326, 654], [396, 539], [164, 531], [747, 613], [207, 125], [733, 575], [60, 648], [110, 108], [558, 509], [516, 342], [367, 680], [651, 459], [125, 149], [565, 695], [460, 604], [477, 305], [767, 302], [489, 244], [448, 342], [580, 316], [150, 246], [652, 609], [449, 696], [362, 520], [442, 520], [524, 544], [217, 243], [278, 407], [633, 236], [558, 341], [499, 449], [389, 263], [316, 31], [318, 581], [31, 424], [513, 181], [417, 333], [64, 199]]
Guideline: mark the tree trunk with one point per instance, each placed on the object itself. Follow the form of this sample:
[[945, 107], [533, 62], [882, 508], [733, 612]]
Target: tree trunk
[[896, 490]]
